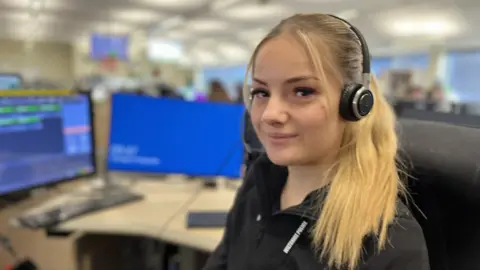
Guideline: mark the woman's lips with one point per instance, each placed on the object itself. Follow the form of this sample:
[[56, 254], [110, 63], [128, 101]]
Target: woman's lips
[[280, 138]]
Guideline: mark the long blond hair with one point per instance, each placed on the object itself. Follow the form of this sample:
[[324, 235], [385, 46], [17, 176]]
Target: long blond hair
[[363, 194]]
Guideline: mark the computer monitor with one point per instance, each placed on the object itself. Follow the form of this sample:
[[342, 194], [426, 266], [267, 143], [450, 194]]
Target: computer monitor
[[44, 140], [161, 135], [9, 81], [103, 46]]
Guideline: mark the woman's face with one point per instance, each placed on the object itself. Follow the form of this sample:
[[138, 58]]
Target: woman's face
[[296, 120]]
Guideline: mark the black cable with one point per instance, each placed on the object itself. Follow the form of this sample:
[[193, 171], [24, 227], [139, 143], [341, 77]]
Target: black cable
[[227, 158]]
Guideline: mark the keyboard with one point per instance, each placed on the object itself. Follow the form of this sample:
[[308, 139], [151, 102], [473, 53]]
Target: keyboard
[[89, 203]]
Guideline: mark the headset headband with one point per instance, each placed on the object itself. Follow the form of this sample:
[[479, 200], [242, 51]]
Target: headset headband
[[365, 51]]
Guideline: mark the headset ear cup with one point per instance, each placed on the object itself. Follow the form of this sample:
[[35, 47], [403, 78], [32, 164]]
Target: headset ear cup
[[346, 102]]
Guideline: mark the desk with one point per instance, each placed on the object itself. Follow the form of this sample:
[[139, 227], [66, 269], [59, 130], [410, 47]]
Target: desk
[[163, 199], [161, 215], [204, 239]]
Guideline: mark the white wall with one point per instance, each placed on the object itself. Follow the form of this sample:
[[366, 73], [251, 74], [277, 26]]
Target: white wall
[[48, 60]]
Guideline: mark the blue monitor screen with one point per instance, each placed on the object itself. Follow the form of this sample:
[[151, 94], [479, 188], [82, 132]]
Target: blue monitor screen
[[174, 136], [10, 81], [104, 46], [44, 140]]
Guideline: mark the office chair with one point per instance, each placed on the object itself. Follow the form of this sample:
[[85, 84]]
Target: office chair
[[445, 188], [253, 146]]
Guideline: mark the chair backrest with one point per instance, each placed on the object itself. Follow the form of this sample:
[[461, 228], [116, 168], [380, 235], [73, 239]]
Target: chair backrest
[[445, 188]]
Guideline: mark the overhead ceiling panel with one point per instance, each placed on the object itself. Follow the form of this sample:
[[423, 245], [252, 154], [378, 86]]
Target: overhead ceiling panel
[[110, 28], [207, 25], [137, 16], [176, 34], [175, 4], [255, 12], [419, 21]]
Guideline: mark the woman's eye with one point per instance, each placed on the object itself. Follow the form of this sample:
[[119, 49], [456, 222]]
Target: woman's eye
[[259, 93], [303, 91]]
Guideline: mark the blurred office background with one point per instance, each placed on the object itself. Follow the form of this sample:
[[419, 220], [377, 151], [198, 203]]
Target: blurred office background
[[188, 44], [425, 54]]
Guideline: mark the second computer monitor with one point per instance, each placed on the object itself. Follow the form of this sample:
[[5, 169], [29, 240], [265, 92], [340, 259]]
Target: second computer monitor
[[174, 136]]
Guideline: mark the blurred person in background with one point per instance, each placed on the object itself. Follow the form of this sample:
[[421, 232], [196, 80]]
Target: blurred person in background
[[414, 93], [153, 82], [326, 195], [158, 87], [218, 93], [437, 100], [239, 92], [413, 98]]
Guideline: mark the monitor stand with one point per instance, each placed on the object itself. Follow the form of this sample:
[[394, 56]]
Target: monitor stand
[[106, 187]]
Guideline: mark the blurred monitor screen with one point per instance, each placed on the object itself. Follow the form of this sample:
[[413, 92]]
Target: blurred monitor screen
[[105, 46], [174, 136], [10, 81], [44, 140]]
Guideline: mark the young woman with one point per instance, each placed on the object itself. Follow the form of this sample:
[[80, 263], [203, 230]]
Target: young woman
[[326, 194]]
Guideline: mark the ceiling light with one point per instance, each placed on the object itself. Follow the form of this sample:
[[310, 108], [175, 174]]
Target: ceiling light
[[221, 4], [255, 12], [160, 49], [420, 22], [136, 16], [424, 27], [207, 25], [176, 4], [112, 28]]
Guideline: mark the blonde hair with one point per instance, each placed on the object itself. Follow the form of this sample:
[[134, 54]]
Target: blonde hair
[[363, 194]]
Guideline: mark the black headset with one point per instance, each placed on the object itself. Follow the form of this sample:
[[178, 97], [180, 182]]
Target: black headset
[[357, 100]]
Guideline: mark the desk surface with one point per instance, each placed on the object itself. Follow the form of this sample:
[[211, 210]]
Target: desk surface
[[161, 215], [204, 238]]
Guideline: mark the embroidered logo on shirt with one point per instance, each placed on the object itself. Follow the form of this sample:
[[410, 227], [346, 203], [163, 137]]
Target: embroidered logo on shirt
[[295, 237]]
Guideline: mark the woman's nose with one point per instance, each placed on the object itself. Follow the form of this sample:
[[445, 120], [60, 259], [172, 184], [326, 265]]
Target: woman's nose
[[275, 111]]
